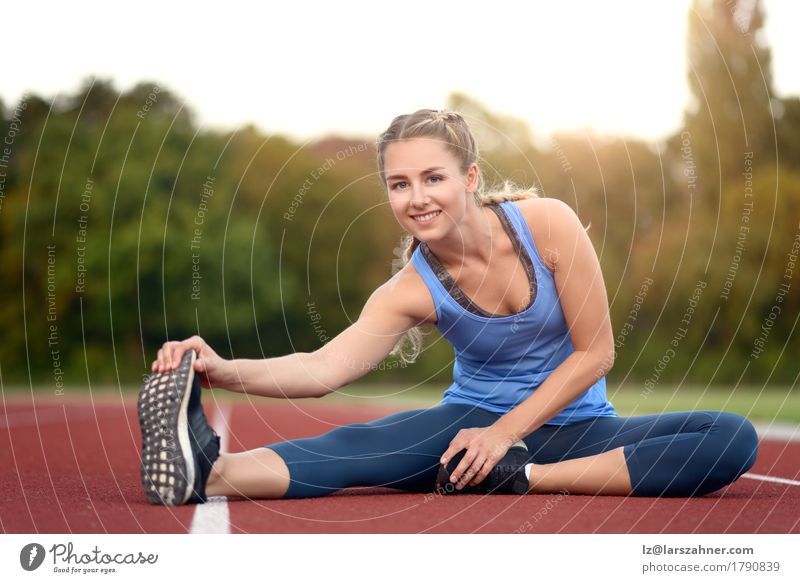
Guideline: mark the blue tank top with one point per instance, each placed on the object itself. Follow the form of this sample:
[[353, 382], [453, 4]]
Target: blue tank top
[[501, 359]]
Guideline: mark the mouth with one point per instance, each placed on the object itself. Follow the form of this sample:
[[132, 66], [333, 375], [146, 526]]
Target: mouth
[[426, 218]]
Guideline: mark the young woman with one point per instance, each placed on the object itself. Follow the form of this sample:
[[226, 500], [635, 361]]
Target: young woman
[[513, 282]]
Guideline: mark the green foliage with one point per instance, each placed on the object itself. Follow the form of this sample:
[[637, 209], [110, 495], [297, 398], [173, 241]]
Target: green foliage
[[155, 229]]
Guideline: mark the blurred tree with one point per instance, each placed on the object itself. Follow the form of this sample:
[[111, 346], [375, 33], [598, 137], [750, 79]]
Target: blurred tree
[[730, 80], [788, 123]]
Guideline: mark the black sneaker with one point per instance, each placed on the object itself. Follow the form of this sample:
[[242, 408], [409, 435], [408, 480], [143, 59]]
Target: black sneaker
[[178, 445], [507, 477]]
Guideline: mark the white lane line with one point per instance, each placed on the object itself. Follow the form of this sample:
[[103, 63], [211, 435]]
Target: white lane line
[[771, 479], [776, 432], [213, 516]]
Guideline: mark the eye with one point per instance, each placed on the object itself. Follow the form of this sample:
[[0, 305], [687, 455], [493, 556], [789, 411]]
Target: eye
[[432, 176]]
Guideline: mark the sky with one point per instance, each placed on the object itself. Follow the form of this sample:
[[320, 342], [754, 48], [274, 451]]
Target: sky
[[311, 68]]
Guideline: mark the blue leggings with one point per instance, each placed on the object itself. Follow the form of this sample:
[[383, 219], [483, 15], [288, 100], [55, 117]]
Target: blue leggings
[[669, 454]]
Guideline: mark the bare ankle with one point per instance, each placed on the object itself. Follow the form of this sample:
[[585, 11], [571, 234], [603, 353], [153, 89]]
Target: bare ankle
[[215, 477]]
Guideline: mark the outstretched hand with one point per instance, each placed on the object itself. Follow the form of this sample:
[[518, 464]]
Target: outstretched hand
[[485, 447], [209, 364]]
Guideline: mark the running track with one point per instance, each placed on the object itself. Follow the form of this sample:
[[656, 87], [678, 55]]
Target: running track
[[72, 466]]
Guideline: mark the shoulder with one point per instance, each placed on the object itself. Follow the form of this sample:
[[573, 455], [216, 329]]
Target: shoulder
[[549, 213], [553, 224], [407, 293]]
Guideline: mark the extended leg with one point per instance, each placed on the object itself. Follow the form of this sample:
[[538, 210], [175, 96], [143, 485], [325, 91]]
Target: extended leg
[[399, 451]]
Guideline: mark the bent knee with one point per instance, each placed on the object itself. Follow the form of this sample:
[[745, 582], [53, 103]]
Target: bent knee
[[739, 440]]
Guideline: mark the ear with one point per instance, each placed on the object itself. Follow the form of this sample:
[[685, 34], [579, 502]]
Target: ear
[[473, 173]]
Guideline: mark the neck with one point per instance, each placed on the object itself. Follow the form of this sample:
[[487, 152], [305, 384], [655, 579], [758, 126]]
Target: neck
[[469, 243]]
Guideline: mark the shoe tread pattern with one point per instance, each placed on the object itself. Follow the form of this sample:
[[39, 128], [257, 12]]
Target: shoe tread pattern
[[164, 472]]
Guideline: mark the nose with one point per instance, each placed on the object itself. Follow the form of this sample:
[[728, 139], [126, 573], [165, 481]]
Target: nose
[[418, 196]]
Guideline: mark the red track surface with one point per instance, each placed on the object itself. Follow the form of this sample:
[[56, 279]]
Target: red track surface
[[72, 466]]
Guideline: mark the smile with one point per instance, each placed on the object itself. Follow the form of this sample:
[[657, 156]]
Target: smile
[[427, 218]]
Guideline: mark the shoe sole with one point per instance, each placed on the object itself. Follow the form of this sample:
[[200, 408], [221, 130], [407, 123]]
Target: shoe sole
[[167, 465]]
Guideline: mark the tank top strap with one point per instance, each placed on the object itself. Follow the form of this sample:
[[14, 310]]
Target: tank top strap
[[521, 225], [432, 281]]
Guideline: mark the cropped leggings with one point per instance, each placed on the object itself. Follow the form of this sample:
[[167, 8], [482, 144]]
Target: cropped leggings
[[668, 454]]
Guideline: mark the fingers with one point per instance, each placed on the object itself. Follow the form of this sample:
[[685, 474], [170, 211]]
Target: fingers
[[170, 354], [471, 475], [473, 467], [484, 471], [466, 469], [459, 442], [164, 359], [455, 447]]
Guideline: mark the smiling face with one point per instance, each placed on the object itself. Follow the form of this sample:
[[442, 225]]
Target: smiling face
[[427, 190]]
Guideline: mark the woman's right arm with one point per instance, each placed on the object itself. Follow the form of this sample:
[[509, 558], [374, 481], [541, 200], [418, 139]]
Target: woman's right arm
[[390, 311], [398, 305]]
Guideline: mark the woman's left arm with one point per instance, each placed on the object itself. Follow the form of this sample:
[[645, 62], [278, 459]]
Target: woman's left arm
[[583, 299]]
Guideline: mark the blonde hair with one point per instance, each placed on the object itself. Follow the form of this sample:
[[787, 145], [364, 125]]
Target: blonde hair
[[451, 129]]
